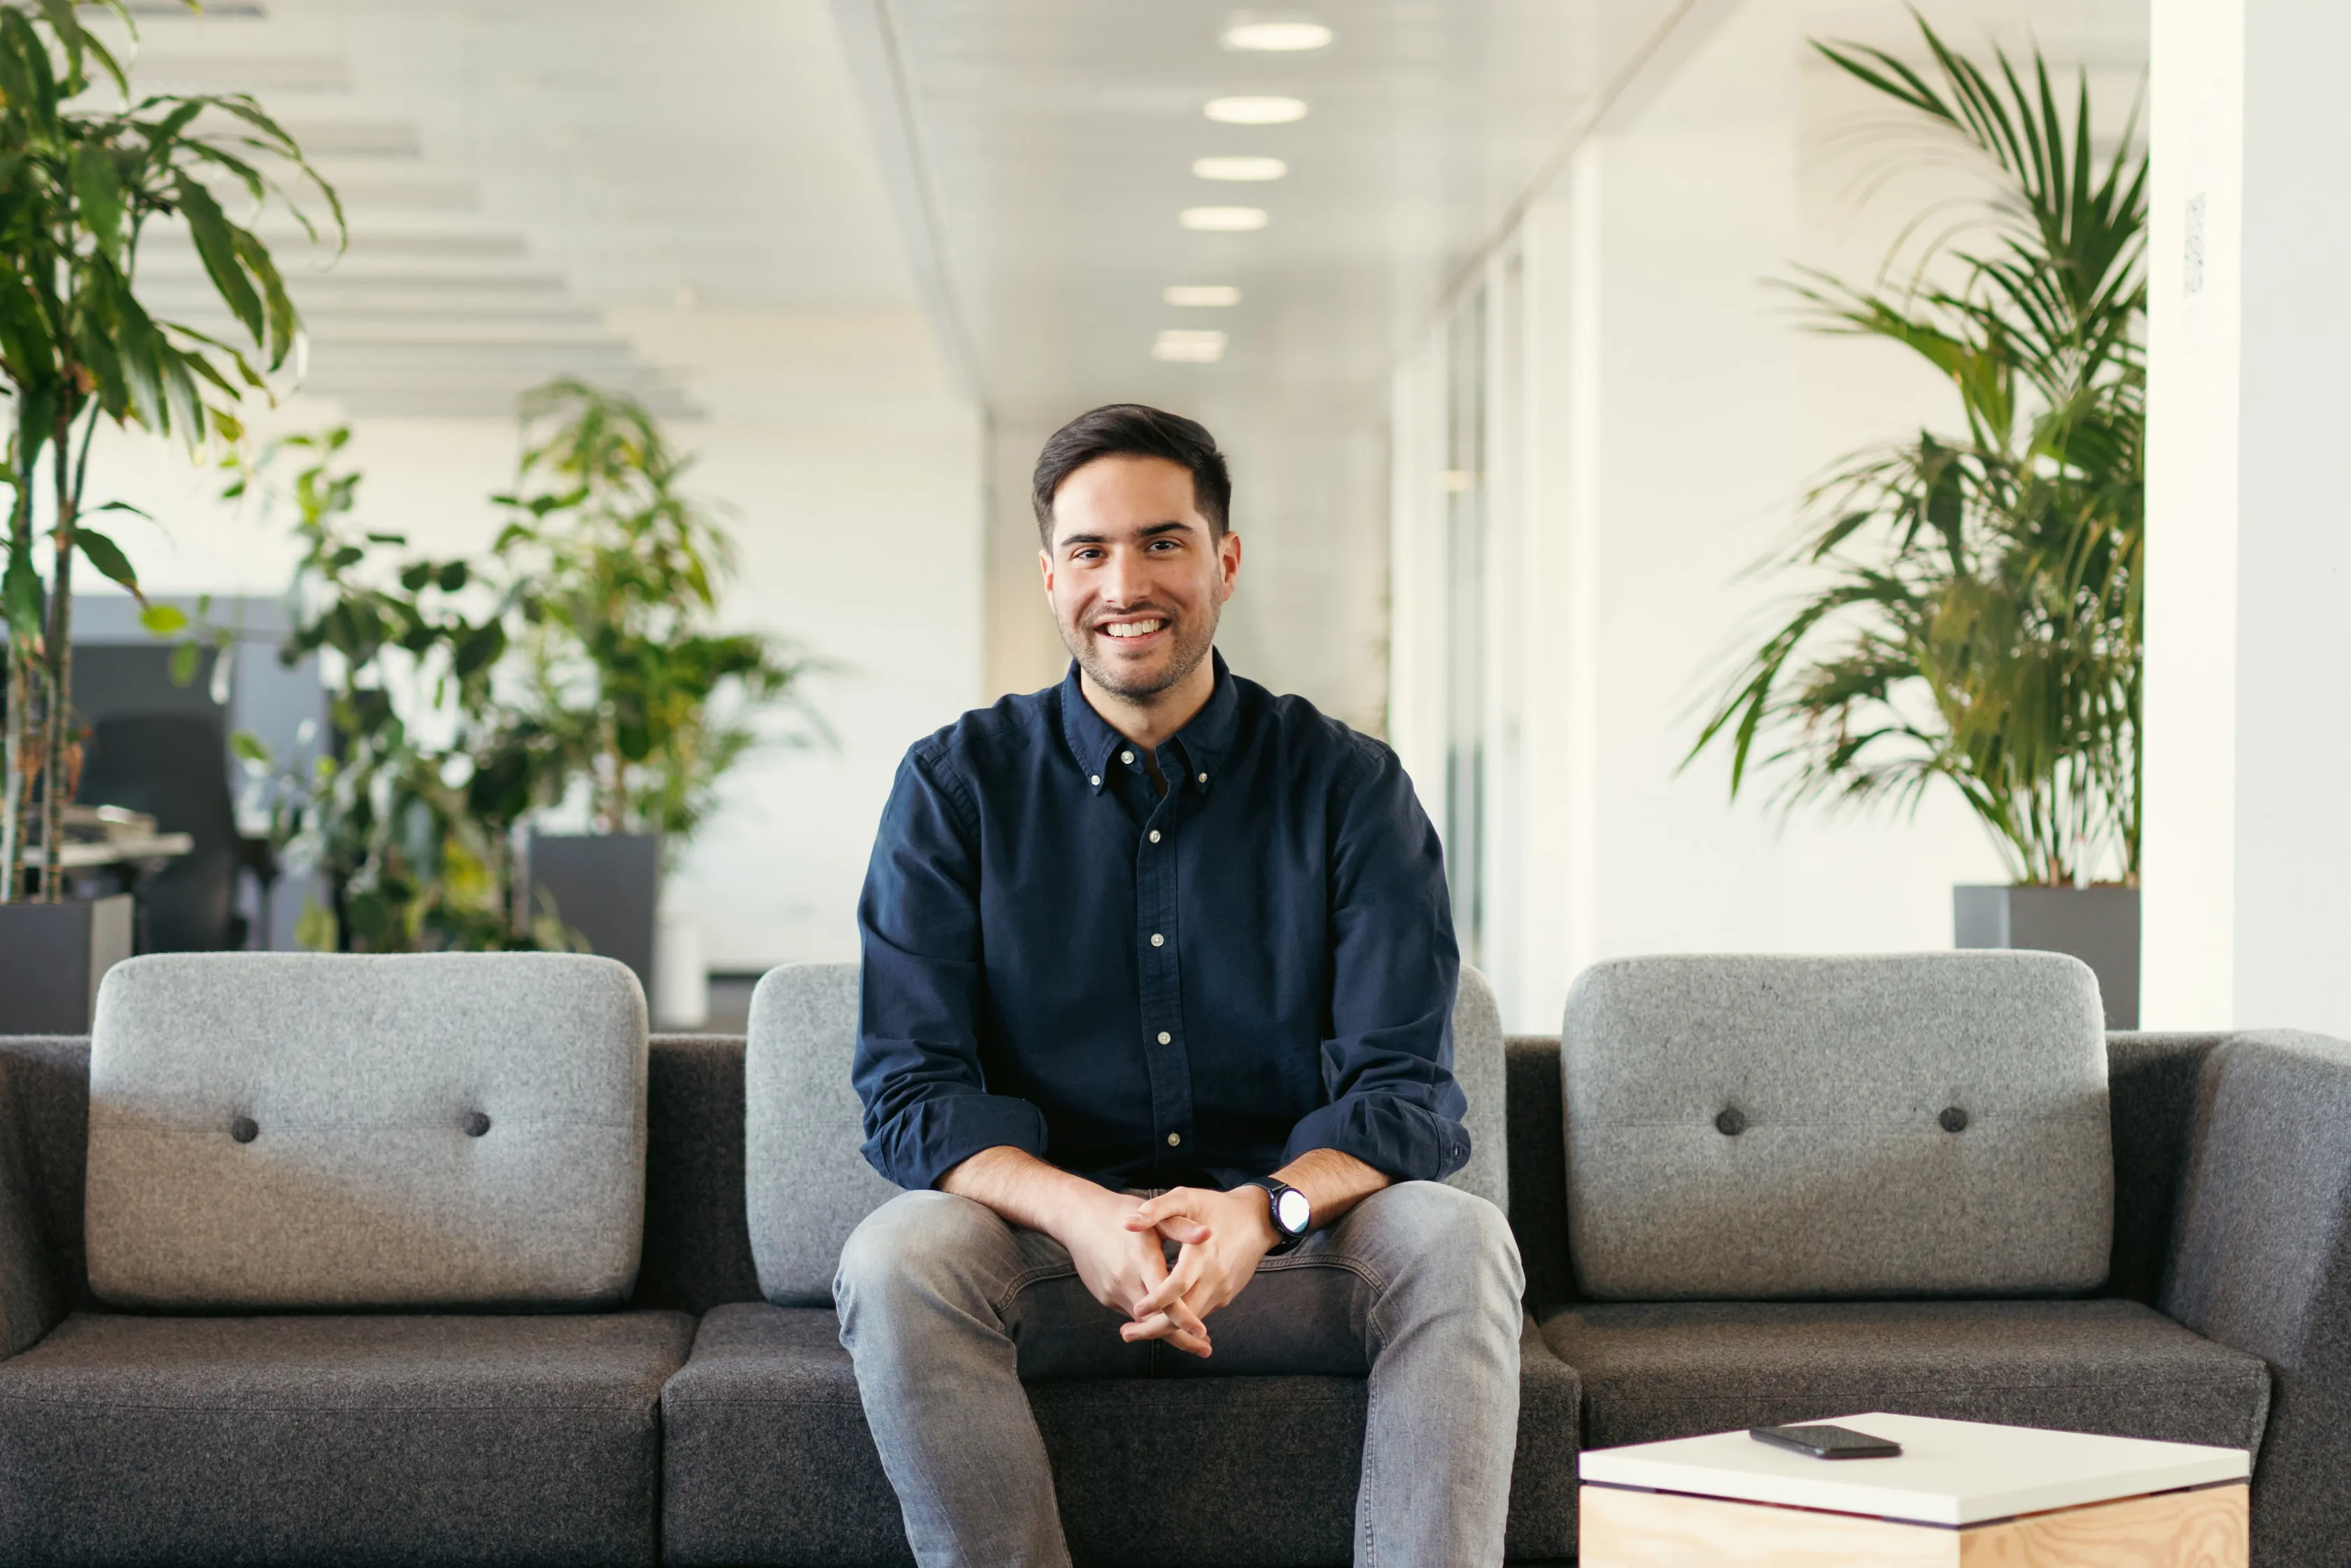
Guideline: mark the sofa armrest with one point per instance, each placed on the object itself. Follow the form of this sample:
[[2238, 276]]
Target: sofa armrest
[[2261, 1261], [32, 1297]]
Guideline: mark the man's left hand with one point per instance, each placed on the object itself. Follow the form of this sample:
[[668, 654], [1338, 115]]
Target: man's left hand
[[1222, 1234]]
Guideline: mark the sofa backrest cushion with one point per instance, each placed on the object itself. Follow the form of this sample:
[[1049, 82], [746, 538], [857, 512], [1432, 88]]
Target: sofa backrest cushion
[[808, 1185], [283, 1130], [1798, 1127]]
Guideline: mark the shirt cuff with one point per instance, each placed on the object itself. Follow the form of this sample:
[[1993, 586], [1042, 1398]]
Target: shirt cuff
[[932, 1137], [1393, 1136]]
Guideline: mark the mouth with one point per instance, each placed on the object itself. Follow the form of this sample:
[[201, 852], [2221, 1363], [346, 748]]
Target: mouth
[[1135, 633]]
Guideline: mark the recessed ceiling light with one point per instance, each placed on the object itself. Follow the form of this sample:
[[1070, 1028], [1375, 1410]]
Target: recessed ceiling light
[[1187, 347], [1202, 294], [1254, 111], [1277, 37], [1239, 168], [1223, 220]]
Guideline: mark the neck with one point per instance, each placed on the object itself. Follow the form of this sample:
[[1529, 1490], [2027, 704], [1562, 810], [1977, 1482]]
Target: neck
[[1149, 722]]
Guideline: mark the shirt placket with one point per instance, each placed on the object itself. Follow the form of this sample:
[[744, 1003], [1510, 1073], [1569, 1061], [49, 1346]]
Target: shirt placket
[[1157, 925]]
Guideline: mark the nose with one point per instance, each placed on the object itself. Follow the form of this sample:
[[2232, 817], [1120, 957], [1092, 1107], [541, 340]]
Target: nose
[[1127, 580]]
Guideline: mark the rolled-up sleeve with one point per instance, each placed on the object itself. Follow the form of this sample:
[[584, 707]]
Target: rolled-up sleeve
[[917, 1065], [1387, 1067]]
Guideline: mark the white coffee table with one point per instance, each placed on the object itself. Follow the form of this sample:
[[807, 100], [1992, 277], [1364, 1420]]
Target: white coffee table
[[1960, 1493]]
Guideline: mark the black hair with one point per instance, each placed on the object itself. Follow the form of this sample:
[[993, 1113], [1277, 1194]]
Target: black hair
[[1132, 430]]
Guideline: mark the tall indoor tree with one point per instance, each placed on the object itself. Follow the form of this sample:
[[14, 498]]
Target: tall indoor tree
[[617, 567], [83, 183], [1972, 608]]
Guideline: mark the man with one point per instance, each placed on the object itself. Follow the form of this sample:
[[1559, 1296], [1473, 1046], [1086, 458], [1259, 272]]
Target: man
[[1157, 932]]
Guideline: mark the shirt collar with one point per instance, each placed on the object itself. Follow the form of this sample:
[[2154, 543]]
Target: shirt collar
[[1204, 740]]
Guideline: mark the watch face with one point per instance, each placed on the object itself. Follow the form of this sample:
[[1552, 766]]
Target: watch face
[[1291, 1212]]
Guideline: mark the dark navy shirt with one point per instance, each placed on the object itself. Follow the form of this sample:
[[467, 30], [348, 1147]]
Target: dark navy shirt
[[1156, 990]]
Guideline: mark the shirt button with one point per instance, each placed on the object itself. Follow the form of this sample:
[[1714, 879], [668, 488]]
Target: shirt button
[[1126, 756], [1173, 1139], [1204, 778], [1155, 835], [1096, 780], [1164, 1037], [1157, 940]]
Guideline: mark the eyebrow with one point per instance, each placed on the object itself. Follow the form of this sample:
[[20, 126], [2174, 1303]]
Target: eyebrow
[[1172, 525]]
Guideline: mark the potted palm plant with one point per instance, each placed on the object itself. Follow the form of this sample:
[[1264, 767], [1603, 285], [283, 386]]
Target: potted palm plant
[[1970, 614], [82, 183], [617, 567]]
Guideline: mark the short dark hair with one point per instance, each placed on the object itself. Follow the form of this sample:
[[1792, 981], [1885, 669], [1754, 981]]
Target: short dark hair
[[1132, 430]]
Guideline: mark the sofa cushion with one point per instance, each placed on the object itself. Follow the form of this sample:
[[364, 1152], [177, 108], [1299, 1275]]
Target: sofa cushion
[[1751, 1128], [1683, 1368], [274, 1129], [358, 1439], [808, 1184], [768, 1459]]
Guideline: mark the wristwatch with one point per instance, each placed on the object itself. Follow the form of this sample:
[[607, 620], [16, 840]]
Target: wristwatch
[[1293, 1216]]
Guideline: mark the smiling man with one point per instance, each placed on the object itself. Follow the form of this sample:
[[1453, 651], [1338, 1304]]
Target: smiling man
[[1157, 1033]]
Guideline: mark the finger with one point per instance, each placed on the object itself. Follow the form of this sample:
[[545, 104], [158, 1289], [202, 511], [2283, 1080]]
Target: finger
[[1159, 1326], [1179, 1283], [1176, 1201], [1190, 1232]]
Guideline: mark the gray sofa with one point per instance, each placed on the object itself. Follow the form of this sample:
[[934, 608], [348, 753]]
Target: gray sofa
[[480, 1360]]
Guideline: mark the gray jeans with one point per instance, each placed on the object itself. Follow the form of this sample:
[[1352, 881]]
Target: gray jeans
[[945, 1308]]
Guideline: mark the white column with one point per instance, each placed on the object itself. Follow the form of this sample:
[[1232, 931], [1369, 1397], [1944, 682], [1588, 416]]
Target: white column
[[2248, 847]]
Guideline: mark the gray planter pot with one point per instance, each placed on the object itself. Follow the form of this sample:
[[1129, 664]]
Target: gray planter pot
[[2100, 925], [52, 957], [607, 887]]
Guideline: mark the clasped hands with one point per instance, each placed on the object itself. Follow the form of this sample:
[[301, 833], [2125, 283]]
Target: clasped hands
[[1118, 1246]]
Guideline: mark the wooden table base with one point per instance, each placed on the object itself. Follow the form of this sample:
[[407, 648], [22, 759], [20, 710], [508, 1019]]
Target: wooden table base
[[2205, 1528]]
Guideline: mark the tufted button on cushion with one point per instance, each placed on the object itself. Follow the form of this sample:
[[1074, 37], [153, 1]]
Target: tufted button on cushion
[[1731, 1124], [477, 1124], [1953, 1120], [244, 1129]]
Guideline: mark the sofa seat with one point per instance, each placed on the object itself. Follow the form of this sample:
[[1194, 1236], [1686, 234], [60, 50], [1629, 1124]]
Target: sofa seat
[[768, 1458], [347, 1440], [1652, 1371]]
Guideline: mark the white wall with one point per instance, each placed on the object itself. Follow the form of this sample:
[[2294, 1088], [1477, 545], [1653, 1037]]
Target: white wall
[[2249, 731], [854, 474]]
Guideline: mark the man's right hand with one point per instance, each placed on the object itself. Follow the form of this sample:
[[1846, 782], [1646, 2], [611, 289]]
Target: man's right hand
[[1119, 1266]]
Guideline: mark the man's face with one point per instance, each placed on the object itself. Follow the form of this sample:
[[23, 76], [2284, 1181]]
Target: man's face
[[1136, 575]]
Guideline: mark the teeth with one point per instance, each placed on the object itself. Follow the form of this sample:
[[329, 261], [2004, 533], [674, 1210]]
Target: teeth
[[1134, 628]]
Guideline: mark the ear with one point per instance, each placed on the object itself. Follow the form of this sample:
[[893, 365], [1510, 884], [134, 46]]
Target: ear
[[1045, 565], [1228, 562]]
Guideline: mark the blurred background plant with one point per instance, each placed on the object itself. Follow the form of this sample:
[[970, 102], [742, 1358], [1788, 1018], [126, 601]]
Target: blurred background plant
[[410, 816], [616, 570], [80, 187], [1979, 620], [467, 700]]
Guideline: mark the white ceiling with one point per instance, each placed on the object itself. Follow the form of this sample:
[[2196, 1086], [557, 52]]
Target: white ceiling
[[1050, 149], [514, 168]]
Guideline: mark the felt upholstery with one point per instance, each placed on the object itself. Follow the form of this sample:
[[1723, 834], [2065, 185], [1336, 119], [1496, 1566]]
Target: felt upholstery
[[349, 1439], [768, 1459], [1678, 1369], [1751, 1128], [808, 1184], [2151, 1086], [697, 1238], [2262, 1262], [272, 1130], [31, 1294]]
